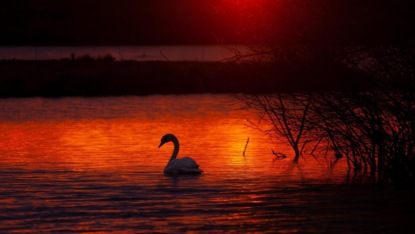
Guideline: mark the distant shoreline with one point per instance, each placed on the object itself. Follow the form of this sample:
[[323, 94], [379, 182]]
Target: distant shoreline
[[203, 53], [106, 77]]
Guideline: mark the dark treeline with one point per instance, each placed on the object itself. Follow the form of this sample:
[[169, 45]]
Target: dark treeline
[[86, 76], [105, 77]]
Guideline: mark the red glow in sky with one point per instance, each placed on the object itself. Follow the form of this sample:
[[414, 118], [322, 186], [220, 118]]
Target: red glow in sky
[[155, 22], [246, 6], [249, 18]]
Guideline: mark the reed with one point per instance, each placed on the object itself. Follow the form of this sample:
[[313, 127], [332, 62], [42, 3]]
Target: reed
[[374, 131], [372, 127]]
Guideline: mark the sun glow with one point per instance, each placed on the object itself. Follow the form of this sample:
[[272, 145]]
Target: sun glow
[[245, 3], [246, 8], [249, 18]]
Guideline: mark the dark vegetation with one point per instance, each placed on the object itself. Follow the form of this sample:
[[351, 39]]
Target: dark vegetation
[[372, 127], [105, 77], [87, 76]]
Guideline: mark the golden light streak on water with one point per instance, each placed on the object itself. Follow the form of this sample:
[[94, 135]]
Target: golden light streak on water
[[92, 164]]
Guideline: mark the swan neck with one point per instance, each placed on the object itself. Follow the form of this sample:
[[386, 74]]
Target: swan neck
[[176, 149]]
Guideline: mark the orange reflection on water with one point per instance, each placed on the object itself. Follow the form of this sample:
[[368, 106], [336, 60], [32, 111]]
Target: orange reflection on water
[[98, 168], [123, 144], [211, 134]]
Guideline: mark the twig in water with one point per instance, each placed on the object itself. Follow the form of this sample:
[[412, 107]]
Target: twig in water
[[246, 145], [278, 155]]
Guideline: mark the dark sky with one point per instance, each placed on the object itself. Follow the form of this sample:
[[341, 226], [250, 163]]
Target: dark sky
[[52, 22], [145, 22]]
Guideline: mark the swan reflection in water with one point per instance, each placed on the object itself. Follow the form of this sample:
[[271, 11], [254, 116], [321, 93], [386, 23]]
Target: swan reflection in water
[[185, 165]]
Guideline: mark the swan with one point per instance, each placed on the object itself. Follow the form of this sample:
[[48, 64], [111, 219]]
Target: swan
[[185, 165]]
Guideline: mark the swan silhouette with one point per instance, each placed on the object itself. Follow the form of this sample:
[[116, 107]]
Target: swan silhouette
[[185, 165]]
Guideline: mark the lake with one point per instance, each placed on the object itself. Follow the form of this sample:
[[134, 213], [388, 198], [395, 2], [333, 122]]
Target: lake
[[93, 165], [136, 53]]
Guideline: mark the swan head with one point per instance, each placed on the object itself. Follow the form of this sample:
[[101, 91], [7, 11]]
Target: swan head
[[167, 138]]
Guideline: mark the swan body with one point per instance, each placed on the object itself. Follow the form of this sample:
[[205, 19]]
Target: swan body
[[185, 165]]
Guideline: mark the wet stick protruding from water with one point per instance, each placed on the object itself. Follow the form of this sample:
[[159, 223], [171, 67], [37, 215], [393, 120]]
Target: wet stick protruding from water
[[246, 145]]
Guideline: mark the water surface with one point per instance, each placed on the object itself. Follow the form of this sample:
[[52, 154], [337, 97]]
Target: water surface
[[92, 164], [137, 53]]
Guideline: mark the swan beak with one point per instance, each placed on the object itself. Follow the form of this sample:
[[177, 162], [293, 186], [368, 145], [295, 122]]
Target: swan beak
[[161, 144]]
